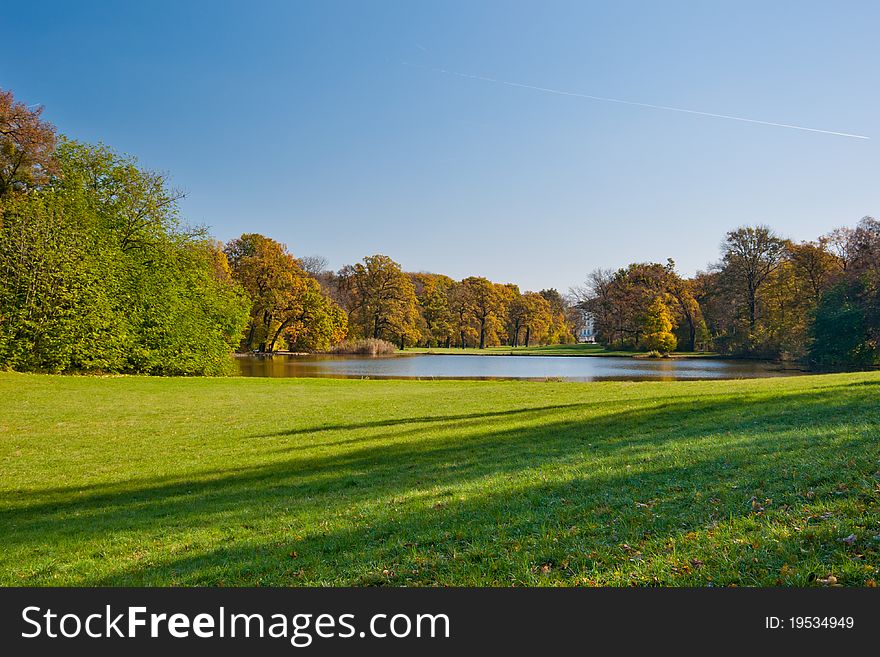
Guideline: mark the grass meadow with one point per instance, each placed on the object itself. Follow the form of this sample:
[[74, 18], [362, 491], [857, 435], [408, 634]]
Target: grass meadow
[[288, 482]]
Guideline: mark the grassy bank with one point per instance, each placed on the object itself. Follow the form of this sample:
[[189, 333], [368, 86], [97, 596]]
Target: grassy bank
[[133, 480], [546, 350]]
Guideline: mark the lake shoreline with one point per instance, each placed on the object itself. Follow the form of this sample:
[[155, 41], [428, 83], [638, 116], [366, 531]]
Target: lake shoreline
[[468, 366]]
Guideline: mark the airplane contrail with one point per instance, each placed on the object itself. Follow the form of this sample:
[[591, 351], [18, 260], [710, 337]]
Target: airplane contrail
[[605, 99]]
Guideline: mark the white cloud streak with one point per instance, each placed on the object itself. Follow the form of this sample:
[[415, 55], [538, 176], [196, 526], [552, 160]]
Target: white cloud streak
[[605, 99]]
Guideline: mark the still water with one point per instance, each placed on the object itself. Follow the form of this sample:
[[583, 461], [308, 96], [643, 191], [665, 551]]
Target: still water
[[570, 368]]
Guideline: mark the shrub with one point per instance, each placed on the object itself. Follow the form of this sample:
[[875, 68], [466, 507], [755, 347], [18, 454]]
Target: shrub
[[366, 347]]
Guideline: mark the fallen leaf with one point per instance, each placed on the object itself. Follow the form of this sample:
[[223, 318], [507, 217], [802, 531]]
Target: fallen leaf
[[849, 540]]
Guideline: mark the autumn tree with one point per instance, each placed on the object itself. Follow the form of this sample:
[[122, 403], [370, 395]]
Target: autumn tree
[[27, 145], [657, 327], [537, 316], [749, 255], [619, 301], [562, 322], [816, 265], [460, 308], [382, 300], [286, 301], [485, 305], [432, 291], [516, 313]]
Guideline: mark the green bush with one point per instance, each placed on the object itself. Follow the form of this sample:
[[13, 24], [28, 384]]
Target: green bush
[[96, 275]]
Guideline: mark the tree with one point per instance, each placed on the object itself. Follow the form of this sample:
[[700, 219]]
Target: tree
[[314, 265], [286, 301], [27, 145], [485, 304], [618, 301], [74, 298], [657, 327], [536, 317], [750, 254], [460, 308], [268, 273], [841, 331], [597, 296], [816, 265], [432, 291], [562, 323], [382, 300], [310, 321], [516, 313], [845, 331], [864, 248]]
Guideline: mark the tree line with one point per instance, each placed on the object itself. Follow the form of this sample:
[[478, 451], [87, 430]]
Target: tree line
[[98, 273], [300, 306], [816, 302]]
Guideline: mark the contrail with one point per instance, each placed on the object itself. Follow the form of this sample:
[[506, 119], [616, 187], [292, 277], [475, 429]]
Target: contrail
[[605, 99]]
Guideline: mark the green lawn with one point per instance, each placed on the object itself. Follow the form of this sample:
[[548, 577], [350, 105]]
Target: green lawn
[[237, 481], [543, 350]]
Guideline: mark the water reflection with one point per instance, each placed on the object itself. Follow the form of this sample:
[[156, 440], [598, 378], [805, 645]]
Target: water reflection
[[570, 368]]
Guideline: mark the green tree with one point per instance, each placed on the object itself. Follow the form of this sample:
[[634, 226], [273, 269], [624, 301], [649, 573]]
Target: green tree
[[82, 289], [841, 332]]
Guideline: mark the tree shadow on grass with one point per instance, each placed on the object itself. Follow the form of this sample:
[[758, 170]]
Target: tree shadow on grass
[[427, 419], [419, 509]]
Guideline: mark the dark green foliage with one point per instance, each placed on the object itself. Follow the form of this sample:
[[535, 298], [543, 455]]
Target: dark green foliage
[[841, 337], [97, 275]]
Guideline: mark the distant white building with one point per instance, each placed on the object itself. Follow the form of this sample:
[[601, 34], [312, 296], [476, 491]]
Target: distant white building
[[587, 331]]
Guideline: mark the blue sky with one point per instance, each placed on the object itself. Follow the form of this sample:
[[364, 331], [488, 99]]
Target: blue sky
[[327, 126]]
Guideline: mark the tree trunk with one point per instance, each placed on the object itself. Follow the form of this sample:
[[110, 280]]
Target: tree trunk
[[448, 341], [752, 308], [482, 334], [250, 338], [462, 340], [528, 335], [402, 345], [753, 294]]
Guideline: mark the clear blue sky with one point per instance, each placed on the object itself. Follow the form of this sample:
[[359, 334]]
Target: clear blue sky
[[301, 121]]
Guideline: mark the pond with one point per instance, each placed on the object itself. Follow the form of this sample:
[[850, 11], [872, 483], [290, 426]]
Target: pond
[[570, 368]]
